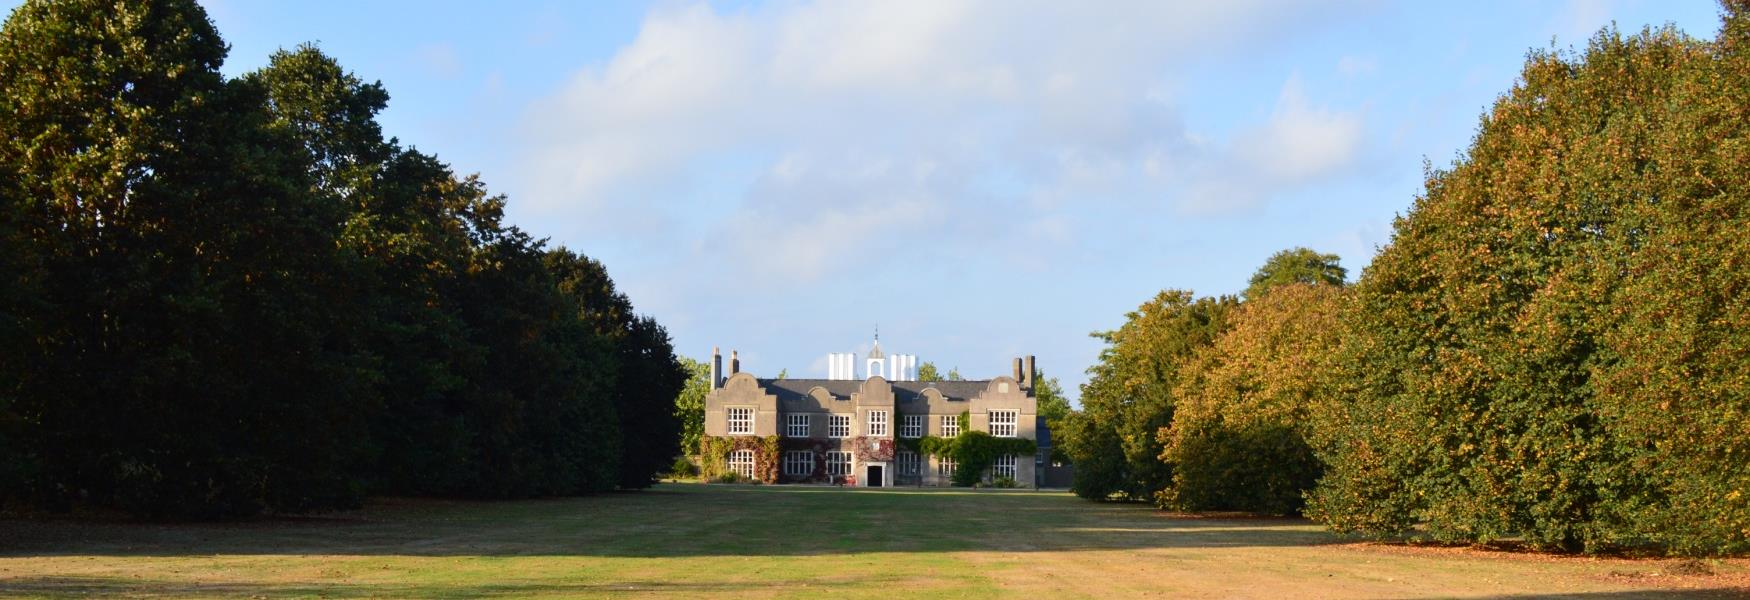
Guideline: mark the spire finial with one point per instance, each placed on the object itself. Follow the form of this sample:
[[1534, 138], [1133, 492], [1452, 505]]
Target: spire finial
[[877, 332]]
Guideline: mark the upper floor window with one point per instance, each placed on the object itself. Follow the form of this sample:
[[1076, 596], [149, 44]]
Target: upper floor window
[[740, 421], [839, 426], [950, 425], [1002, 422], [911, 426], [796, 425], [878, 422]]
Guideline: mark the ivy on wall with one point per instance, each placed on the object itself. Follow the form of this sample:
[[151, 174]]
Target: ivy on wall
[[714, 456], [880, 451], [818, 449], [972, 451]]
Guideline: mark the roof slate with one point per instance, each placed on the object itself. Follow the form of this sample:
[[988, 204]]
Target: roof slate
[[903, 391]]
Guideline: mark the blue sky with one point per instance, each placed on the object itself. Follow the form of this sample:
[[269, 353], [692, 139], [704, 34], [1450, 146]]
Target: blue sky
[[980, 179]]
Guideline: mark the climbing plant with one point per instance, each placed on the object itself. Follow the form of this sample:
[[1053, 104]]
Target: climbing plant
[[973, 452], [714, 456], [817, 448], [880, 451]]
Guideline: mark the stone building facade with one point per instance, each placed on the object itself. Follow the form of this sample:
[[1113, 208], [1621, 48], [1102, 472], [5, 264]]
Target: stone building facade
[[849, 431]]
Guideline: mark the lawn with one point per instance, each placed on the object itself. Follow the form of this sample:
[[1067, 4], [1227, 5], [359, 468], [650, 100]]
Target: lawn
[[687, 540]]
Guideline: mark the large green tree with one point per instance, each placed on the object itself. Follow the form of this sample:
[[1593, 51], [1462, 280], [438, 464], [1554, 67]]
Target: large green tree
[[227, 296], [1052, 405], [1131, 392], [1550, 346], [1296, 265], [1239, 431], [650, 375], [1054, 408], [188, 355], [689, 404]]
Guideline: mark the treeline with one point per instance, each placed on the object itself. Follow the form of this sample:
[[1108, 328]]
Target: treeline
[[1554, 348], [226, 296]]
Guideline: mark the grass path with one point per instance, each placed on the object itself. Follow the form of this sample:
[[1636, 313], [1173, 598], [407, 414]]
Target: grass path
[[685, 540]]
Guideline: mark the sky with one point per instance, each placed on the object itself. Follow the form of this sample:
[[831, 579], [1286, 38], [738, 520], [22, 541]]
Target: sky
[[981, 180]]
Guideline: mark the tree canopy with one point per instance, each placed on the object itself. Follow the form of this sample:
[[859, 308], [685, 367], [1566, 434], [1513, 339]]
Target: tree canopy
[[1238, 436], [927, 372], [224, 296], [1131, 393], [1551, 347], [1296, 265], [689, 404]]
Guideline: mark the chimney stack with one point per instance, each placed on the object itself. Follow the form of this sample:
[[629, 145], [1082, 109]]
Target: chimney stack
[[716, 368], [734, 362], [1016, 371], [1030, 373]]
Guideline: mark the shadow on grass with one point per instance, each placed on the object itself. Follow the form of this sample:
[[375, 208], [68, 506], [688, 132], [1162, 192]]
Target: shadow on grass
[[109, 587], [677, 520]]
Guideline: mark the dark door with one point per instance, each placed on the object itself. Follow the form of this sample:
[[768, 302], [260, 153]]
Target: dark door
[[874, 476]]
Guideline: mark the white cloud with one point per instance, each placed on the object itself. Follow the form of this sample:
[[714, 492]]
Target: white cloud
[[1299, 144], [792, 141]]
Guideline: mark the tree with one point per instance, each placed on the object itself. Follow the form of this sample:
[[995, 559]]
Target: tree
[[219, 297], [1549, 348], [1130, 394], [1098, 455], [954, 374], [189, 354], [1296, 265], [1238, 436], [689, 404], [20, 299], [1053, 408], [783, 373], [927, 372], [649, 378]]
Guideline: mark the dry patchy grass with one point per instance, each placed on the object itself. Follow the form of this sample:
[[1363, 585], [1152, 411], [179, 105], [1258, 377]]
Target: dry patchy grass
[[684, 540]]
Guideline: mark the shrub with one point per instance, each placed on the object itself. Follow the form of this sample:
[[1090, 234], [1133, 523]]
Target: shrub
[[973, 452], [683, 467], [1004, 482]]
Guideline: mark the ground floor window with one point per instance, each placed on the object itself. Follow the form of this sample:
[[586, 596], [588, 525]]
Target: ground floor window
[[945, 468], [1003, 467], [838, 463], [741, 463], [799, 463], [910, 463]]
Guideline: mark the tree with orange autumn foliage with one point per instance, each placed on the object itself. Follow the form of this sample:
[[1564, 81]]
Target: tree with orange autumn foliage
[[1238, 436], [1555, 345]]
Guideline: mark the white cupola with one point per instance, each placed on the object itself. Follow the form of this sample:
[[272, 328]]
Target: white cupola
[[877, 362]]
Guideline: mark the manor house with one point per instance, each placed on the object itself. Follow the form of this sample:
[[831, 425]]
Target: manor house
[[850, 431]]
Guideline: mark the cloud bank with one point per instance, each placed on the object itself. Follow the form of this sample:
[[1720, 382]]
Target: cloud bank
[[836, 144]]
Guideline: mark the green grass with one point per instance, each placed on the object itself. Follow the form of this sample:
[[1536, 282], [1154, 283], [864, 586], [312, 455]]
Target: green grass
[[688, 540]]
